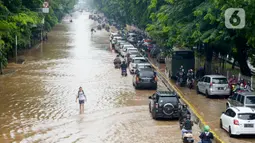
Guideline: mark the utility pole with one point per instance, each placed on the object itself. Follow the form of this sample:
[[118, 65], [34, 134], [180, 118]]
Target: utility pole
[[16, 48]]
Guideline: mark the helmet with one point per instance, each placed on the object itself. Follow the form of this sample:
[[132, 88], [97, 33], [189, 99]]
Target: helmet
[[191, 70], [181, 66], [206, 128], [182, 70], [123, 62]]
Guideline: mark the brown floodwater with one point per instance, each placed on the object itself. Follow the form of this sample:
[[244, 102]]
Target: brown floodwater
[[37, 101]]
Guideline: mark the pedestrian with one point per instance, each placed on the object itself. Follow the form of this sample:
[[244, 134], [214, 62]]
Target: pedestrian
[[206, 136], [82, 98]]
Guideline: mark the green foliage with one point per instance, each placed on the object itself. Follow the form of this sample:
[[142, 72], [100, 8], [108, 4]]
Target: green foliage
[[17, 17]]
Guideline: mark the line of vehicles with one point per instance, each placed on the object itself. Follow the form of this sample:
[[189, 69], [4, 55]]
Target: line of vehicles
[[239, 117]]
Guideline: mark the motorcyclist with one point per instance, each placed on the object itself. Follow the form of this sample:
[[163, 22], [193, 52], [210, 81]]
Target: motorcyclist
[[128, 58], [117, 60], [92, 30], [248, 86], [183, 113], [190, 75], [181, 73], [123, 66], [187, 125], [243, 82], [239, 87], [206, 136]]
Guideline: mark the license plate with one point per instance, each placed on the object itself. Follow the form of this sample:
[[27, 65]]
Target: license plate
[[220, 88], [146, 80], [248, 125]]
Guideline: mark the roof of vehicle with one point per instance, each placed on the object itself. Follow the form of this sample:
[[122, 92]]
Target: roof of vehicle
[[143, 64], [115, 33], [119, 37], [242, 109], [247, 93], [166, 93], [139, 58], [128, 45], [132, 48], [145, 70], [216, 76], [132, 34]]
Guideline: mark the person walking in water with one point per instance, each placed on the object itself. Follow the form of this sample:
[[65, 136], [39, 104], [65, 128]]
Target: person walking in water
[[82, 98]]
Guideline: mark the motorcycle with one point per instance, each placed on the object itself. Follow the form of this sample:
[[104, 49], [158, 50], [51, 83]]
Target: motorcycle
[[116, 65], [188, 138], [124, 72], [181, 80], [190, 83]]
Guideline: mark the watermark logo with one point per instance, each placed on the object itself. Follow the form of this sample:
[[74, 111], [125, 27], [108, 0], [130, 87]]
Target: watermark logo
[[235, 18]]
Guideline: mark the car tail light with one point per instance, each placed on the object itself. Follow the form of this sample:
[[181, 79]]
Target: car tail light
[[236, 122], [211, 85], [156, 105]]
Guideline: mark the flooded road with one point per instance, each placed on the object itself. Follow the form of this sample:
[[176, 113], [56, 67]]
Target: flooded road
[[38, 100]]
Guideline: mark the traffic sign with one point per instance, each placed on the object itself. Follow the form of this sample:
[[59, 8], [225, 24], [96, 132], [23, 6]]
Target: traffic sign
[[45, 4]]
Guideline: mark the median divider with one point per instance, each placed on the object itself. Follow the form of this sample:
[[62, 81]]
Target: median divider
[[180, 93]]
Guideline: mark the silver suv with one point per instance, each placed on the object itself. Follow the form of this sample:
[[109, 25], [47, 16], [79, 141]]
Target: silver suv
[[213, 85], [243, 99]]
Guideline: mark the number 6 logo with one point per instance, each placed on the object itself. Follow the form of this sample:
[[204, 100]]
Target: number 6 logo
[[235, 18]]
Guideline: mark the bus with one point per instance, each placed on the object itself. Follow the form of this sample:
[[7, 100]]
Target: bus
[[179, 57]]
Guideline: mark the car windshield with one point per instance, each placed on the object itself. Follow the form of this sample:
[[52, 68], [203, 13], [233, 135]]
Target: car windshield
[[146, 74], [139, 61], [250, 100], [134, 53], [219, 81], [132, 50], [144, 66], [246, 116], [168, 99]]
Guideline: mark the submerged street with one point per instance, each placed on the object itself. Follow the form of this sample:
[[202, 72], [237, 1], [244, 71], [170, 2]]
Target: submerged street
[[38, 100]]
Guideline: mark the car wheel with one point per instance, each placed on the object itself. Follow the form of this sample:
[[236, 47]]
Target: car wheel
[[230, 132], [206, 94], [221, 126], [198, 92]]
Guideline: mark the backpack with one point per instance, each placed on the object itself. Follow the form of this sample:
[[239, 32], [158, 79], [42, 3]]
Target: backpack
[[206, 138]]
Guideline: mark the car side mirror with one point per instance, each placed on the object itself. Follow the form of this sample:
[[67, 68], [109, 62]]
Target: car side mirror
[[150, 97]]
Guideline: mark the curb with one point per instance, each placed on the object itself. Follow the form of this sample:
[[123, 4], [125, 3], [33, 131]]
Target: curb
[[180, 93]]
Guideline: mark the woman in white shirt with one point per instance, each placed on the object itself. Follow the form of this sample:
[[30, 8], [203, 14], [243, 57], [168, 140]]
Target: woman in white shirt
[[82, 98]]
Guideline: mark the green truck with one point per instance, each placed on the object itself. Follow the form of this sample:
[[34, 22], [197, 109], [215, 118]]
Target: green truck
[[177, 58]]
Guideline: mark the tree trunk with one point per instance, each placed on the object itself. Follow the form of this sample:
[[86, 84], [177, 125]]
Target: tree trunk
[[209, 56], [242, 56]]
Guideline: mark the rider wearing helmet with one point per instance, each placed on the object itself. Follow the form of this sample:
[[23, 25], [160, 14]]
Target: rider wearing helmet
[[123, 66], [206, 136], [190, 74], [117, 60], [187, 125]]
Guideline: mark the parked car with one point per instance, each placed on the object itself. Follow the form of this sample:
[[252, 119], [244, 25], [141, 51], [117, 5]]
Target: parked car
[[213, 85], [123, 51], [142, 66], [118, 44], [145, 78], [112, 35], [121, 46], [135, 61], [115, 39], [133, 54], [129, 50], [238, 121], [154, 52], [244, 99], [164, 104], [161, 57]]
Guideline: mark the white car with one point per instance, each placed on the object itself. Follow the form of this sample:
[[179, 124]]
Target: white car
[[113, 35], [114, 40], [129, 50], [238, 120], [135, 61], [124, 49], [213, 85]]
